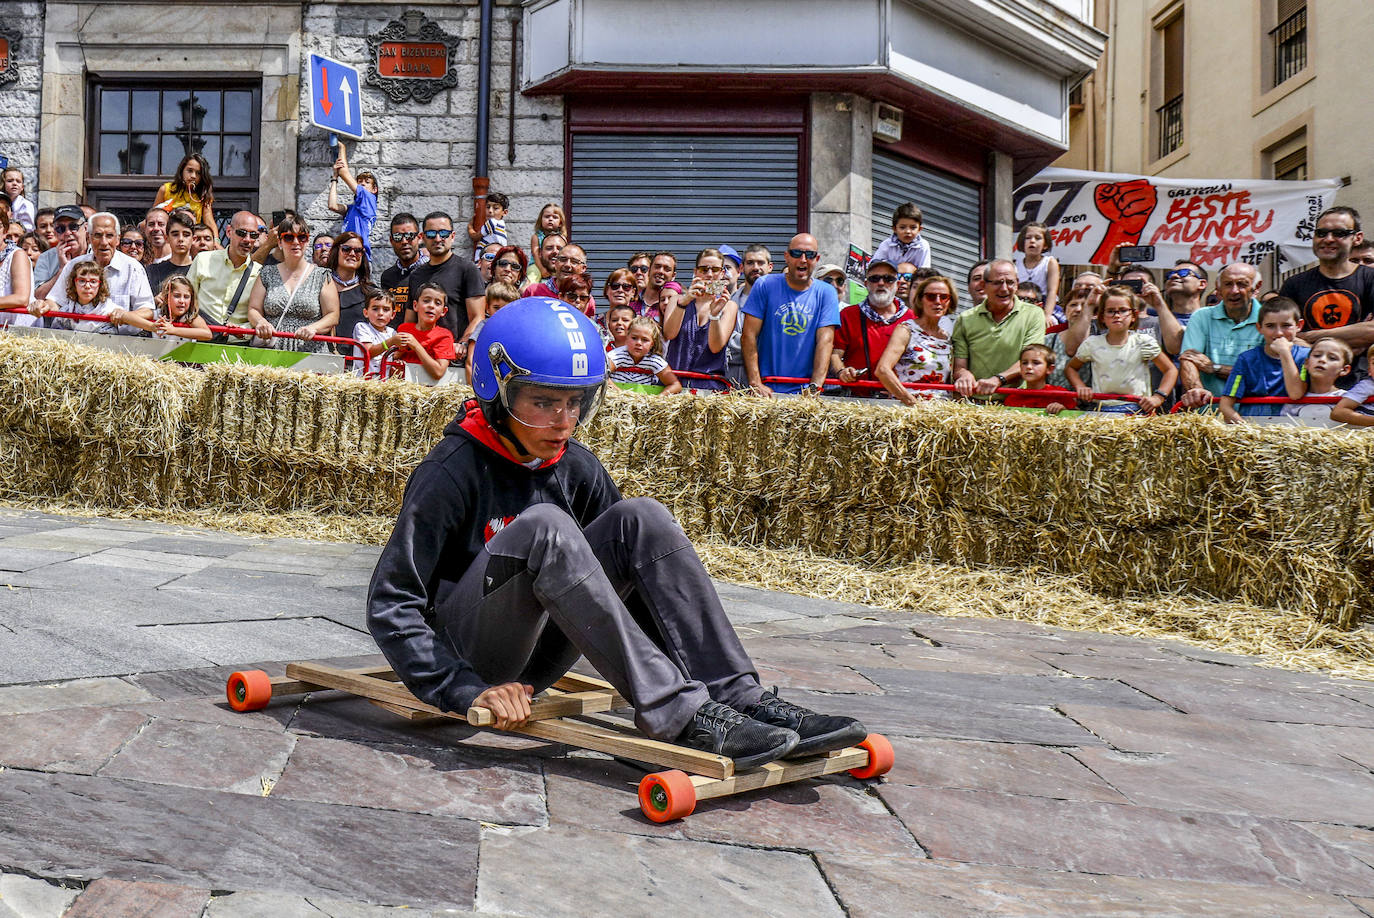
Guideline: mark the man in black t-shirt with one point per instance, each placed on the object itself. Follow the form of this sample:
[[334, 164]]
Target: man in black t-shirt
[[459, 277], [1337, 296], [180, 229], [405, 242]]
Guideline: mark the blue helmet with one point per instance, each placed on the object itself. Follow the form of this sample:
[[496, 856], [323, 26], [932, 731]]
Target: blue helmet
[[537, 341]]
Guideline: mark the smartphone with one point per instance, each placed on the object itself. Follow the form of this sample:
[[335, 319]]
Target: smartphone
[[1135, 284], [277, 217], [716, 287], [1135, 254]]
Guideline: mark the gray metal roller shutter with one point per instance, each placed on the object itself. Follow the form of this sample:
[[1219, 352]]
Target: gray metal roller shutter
[[951, 208], [680, 194]]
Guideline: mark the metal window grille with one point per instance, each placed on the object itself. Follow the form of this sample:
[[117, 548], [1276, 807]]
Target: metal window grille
[[1290, 46], [1170, 116]]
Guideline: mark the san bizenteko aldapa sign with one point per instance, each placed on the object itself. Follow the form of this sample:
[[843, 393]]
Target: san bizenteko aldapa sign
[[411, 57]]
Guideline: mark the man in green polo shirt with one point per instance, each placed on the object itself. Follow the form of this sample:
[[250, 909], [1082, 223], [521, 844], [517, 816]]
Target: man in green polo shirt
[[1216, 335], [988, 339]]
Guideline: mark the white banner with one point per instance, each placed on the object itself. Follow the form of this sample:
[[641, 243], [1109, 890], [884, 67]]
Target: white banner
[[1208, 221]]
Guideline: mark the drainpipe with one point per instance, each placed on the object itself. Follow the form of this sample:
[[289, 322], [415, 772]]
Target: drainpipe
[[480, 183]]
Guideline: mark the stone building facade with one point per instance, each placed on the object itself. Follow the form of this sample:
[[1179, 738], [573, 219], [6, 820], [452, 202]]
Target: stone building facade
[[656, 126]]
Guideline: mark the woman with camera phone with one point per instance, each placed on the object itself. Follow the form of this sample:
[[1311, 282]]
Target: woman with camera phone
[[699, 326]]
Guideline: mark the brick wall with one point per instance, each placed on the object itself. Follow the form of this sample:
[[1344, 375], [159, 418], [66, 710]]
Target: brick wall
[[423, 153], [20, 102]]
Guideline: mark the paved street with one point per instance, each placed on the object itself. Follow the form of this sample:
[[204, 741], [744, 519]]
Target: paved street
[[1039, 772]]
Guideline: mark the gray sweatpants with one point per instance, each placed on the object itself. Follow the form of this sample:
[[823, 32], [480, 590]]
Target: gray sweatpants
[[629, 593]]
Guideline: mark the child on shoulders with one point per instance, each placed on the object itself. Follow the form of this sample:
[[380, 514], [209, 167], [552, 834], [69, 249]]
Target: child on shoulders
[[1356, 407], [1034, 265], [905, 243], [1037, 362], [1121, 358], [493, 231], [1328, 361], [643, 350], [425, 341], [1269, 369]]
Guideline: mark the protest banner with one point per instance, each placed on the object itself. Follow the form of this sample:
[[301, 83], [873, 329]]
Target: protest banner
[[1211, 222]]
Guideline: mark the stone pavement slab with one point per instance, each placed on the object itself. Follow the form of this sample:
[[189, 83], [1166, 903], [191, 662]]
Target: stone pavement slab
[[47, 696], [933, 687], [897, 888], [1176, 732], [1017, 768], [545, 872], [265, 639], [911, 715], [26, 897], [208, 756], [79, 741], [107, 897], [218, 840], [441, 782], [276, 905], [1189, 782], [1200, 688], [16, 560], [1002, 829]]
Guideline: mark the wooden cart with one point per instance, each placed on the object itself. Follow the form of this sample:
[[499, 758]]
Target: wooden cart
[[574, 712]]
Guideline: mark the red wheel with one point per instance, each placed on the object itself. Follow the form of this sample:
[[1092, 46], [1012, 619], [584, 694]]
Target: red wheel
[[667, 795], [880, 757], [249, 690]]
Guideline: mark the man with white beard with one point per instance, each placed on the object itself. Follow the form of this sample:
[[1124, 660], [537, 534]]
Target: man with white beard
[[866, 327]]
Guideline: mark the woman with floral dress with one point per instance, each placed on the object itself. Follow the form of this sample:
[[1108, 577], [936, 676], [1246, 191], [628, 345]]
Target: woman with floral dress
[[920, 349]]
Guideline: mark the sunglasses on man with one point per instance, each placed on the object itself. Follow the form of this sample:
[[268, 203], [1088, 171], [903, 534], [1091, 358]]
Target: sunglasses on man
[[404, 237], [808, 254], [438, 234], [247, 234], [1338, 233]]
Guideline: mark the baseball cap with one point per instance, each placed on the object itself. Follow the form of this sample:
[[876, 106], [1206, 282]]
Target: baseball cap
[[823, 270], [880, 261], [69, 212], [730, 253]]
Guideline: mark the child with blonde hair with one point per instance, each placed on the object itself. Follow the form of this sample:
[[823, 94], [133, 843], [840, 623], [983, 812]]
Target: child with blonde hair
[[176, 313], [643, 350], [1329, 360], [1121, 358]]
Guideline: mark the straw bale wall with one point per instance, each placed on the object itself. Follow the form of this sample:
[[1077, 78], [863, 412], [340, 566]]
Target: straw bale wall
[[1276, 517]]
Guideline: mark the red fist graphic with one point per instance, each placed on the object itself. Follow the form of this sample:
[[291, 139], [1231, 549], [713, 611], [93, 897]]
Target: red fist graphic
[[1128, 206]]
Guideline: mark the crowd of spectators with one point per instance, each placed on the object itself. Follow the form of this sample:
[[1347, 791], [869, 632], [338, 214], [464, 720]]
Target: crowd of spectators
[[1110, 340]]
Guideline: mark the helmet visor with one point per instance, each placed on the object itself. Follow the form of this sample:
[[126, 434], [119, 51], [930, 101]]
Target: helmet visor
[[540, 405]]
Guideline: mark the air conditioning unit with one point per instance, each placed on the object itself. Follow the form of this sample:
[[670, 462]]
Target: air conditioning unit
[[887, 123]]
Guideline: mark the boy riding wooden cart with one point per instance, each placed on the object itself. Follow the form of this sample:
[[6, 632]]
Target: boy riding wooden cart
[[514, 555]]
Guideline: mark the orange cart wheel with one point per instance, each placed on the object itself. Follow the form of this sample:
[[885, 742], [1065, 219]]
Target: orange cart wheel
[[880, 757], [667, 795], [249, 690]]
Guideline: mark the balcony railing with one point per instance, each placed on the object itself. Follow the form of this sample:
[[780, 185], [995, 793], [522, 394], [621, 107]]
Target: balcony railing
[[1290, 46], [1170, 116]]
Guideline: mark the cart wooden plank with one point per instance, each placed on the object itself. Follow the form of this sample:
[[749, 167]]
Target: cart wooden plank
[[563, 704], [285, 685], [640, 748], [780, 773]]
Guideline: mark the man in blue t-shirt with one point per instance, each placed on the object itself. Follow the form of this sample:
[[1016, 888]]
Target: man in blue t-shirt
[[789, 324], [361, 215]]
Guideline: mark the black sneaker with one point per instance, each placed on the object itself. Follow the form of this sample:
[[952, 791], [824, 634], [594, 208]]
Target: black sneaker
[[721, 729], [819, 732]]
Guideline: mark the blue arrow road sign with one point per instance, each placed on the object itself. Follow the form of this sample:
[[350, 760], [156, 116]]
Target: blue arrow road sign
[[335, 103]]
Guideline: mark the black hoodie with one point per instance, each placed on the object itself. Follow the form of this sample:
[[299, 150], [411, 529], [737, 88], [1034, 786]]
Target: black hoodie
[[464, 492]]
